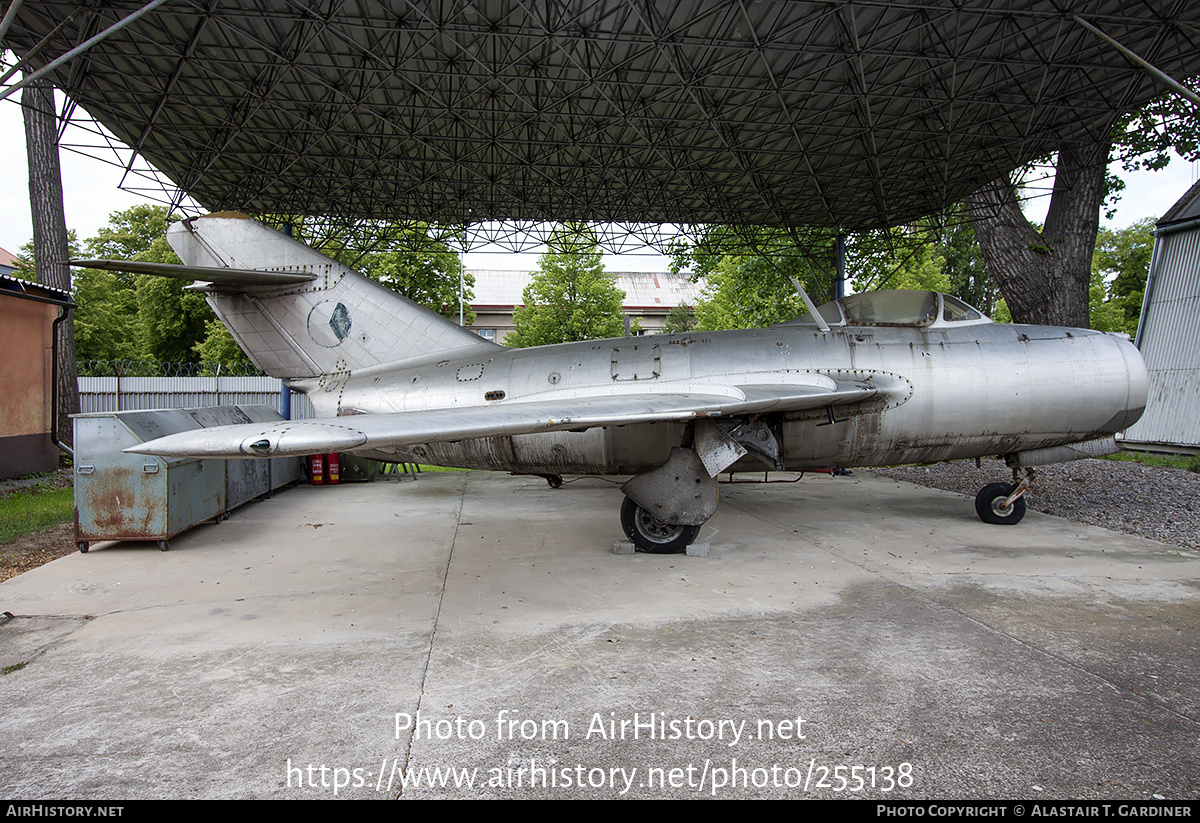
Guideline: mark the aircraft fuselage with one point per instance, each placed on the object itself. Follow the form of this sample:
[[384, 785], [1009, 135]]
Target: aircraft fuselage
[[942, 393]]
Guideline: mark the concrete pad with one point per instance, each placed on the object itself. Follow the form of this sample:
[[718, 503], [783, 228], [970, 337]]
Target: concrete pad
[[844, 637]]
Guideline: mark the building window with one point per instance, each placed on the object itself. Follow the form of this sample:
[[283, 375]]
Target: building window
[[487, 334]]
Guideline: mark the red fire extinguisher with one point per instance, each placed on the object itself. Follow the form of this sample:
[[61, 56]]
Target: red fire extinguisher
[[316, 469], [333, 468]]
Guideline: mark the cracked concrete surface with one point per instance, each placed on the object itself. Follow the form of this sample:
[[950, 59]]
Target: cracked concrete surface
[[321, 643]]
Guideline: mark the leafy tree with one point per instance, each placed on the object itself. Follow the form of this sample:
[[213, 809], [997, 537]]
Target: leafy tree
[[1105, 314], [749, 272], [963, 262], [119, 316], [746, 292], [679, 319], [129, 233], [106, 309], [1147, 138], [749, 284], [424, 270], [171, 321], [218, 346], [1120, 266], [907, 257], [106, 316], [571, 297]]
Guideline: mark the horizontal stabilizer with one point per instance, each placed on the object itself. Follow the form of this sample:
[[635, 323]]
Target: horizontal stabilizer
[[208, 274], [408, 428]]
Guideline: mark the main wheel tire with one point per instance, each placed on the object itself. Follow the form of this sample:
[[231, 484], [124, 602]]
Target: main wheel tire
[[988, 501], [653, 536]]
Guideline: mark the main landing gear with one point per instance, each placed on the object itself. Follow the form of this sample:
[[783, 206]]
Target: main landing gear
[[651, 535], [665, 508], [1002, 504]]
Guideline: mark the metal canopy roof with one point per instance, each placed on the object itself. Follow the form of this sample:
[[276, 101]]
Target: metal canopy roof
[[771, 112]]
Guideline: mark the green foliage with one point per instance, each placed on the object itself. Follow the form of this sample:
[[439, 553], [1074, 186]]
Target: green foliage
[[120, 316], [906, 257], [746, 292], [963, 264], [571, 297], [106, 321], [1183, 462], [679, 319], [1120, 266], [218, 346], [749, 272], [749, 280], [131, 233], [171, 320]]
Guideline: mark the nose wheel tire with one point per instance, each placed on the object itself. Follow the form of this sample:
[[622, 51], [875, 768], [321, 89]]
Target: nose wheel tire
[[651, 535], [990, 501]]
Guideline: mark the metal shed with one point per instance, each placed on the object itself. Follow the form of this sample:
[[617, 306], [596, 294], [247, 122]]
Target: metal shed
[[1168, 334]]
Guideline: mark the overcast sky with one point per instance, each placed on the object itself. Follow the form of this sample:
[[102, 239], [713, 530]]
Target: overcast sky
[[91, 191]]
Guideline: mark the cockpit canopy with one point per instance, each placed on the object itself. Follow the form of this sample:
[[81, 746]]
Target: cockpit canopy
[[911, 309]]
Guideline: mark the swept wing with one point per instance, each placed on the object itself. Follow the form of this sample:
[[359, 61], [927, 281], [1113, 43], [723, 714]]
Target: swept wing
[[407, 428]]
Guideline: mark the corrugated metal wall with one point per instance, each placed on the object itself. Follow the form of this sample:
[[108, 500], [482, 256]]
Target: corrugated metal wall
[[109, 394], [1169, 338]]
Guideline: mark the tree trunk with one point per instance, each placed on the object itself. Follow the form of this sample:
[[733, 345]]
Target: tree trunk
[[1044, 275], [50, 249]]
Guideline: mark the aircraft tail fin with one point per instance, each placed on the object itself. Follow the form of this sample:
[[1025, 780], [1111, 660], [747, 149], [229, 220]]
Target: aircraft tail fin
[[333, 322]]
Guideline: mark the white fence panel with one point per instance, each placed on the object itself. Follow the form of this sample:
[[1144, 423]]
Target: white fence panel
[[108, 394]]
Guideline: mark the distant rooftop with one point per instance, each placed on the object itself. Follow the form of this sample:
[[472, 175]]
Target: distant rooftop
[[643, 290], [1185, 208], [8, 260]]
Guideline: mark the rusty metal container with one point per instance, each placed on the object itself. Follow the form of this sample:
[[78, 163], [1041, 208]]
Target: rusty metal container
[[121, 496]]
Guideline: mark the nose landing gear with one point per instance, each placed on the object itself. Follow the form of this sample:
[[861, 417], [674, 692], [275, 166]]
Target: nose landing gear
[[1002, 504]]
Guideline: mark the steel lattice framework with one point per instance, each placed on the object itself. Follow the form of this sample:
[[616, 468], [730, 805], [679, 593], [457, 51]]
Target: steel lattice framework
[[849, 115]]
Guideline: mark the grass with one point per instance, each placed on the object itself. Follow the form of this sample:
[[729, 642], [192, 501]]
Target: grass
[[1185, 462], [32, 510]]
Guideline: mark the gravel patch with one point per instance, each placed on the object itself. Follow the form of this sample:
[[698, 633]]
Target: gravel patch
[[1148, 501]]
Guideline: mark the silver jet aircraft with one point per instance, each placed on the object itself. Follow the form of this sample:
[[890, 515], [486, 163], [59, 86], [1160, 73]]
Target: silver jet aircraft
[[873, 379]]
